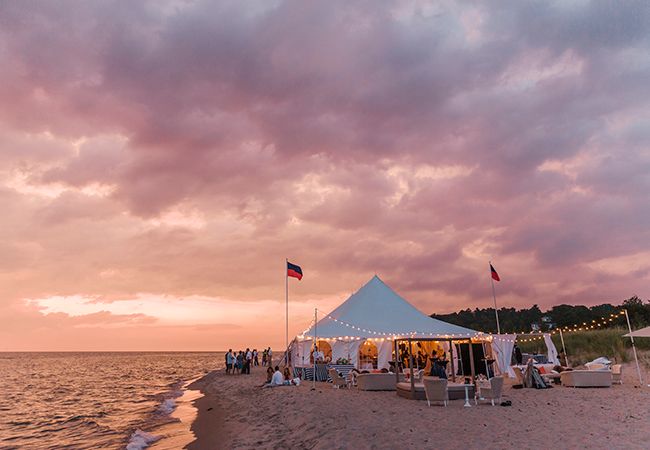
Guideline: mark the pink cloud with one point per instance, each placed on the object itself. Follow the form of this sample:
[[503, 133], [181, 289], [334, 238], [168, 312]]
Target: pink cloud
[[187, 149]]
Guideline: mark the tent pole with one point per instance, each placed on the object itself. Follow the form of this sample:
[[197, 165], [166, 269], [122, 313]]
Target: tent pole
[[411, 369], [313, 377], [636, 359], [471, 362], [286, 293], [395, 360], [451, 360], [566, 357]]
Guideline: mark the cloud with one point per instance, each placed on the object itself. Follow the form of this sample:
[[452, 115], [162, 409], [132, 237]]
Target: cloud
[[186, 148]]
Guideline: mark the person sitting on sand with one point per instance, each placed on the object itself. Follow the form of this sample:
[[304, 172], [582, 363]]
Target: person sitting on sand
[[287, 373], [277, 379], [269, 376]]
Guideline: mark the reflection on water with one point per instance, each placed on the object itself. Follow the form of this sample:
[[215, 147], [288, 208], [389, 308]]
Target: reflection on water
[[93, 400]]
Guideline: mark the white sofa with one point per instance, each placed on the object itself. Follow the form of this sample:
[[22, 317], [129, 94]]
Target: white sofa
[[377, 381], [586, 378]]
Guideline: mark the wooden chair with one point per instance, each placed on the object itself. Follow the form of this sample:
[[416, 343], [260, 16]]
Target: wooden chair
[[435, 390], [337, 380], [491, 393], [617, 373]]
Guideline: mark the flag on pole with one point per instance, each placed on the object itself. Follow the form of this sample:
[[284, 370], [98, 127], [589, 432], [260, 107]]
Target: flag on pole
[[294, 271], [495, 275]]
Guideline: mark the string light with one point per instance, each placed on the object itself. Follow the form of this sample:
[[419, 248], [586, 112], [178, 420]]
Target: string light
[[595, 323]]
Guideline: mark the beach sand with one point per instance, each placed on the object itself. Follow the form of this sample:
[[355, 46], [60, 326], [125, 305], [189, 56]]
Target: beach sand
[[244, 416]]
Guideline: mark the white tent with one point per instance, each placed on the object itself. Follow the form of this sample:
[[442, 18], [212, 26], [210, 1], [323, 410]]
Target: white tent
[[643, 332], [375, 312], [503, 345]]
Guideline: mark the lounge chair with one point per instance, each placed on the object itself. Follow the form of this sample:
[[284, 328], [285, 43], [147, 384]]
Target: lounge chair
[[491, 392], [337, 380], [617, 373], [435, 389]]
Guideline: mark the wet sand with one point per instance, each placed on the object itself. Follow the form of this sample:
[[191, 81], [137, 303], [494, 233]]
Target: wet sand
[[208, 425], [326, 418]]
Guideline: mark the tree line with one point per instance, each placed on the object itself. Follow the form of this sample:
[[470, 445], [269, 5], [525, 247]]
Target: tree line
[[518, 320]]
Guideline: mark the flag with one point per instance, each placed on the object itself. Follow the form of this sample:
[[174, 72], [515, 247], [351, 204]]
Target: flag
[[294, 271], [495, 275]]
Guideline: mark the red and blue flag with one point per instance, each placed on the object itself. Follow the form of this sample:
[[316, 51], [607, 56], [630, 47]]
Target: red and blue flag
[[495, 275], [294, 270]]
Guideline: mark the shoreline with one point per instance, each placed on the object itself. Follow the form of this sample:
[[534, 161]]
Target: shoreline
[[208, 425]]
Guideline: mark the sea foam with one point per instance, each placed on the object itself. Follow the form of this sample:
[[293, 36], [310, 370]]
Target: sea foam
[[168, 406], [141, 440]]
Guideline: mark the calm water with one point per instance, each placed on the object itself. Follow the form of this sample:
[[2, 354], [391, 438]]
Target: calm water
[[92, 400]]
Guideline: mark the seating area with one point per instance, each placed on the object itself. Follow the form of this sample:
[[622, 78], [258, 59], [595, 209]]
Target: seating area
[[490, 390], [377, 381], [587, 378], [456, 391]]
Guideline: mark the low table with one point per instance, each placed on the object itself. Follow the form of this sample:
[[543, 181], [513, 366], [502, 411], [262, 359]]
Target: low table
[[456, 391]]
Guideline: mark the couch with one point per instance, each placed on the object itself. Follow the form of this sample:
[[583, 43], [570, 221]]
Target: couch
[[587, 378], [377, 381]]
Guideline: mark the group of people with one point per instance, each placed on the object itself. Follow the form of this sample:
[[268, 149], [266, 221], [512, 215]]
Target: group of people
[[241, 362], [274, 378]]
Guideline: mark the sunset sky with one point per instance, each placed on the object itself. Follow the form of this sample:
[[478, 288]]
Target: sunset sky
[[160, 160]]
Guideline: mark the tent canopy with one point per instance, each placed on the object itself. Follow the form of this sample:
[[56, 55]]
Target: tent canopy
[[643, 332], [376, 311]]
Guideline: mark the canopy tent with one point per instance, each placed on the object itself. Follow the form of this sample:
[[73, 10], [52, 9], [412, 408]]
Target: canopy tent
[[376, 313], [643, 332], [503, 345]]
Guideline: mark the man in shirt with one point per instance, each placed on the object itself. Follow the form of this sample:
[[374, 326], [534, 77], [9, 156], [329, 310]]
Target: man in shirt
[[229, 361], [249, 360]]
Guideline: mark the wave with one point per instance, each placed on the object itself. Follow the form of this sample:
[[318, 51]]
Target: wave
[[141, 440], [167, 406]]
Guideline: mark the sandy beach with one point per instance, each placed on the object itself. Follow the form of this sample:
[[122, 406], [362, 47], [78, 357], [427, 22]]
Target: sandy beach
[[236, 413]]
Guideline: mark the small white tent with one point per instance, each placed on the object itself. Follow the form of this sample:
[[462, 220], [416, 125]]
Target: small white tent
[[643, 332], [375, 312]]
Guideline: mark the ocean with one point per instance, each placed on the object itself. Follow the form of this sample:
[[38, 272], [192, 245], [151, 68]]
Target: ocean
[[99, 400]]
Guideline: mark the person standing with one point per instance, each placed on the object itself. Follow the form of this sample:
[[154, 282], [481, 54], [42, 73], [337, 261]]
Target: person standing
[[519, 358], [270, 356], [229, 361], [255, 359], [249, 361], [239, 361], [264, 355]]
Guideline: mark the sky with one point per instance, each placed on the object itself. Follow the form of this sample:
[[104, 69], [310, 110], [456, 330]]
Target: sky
[[160, 160]]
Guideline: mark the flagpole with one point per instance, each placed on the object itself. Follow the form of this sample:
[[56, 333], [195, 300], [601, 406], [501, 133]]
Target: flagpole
[[286, 292], [494, 296]]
